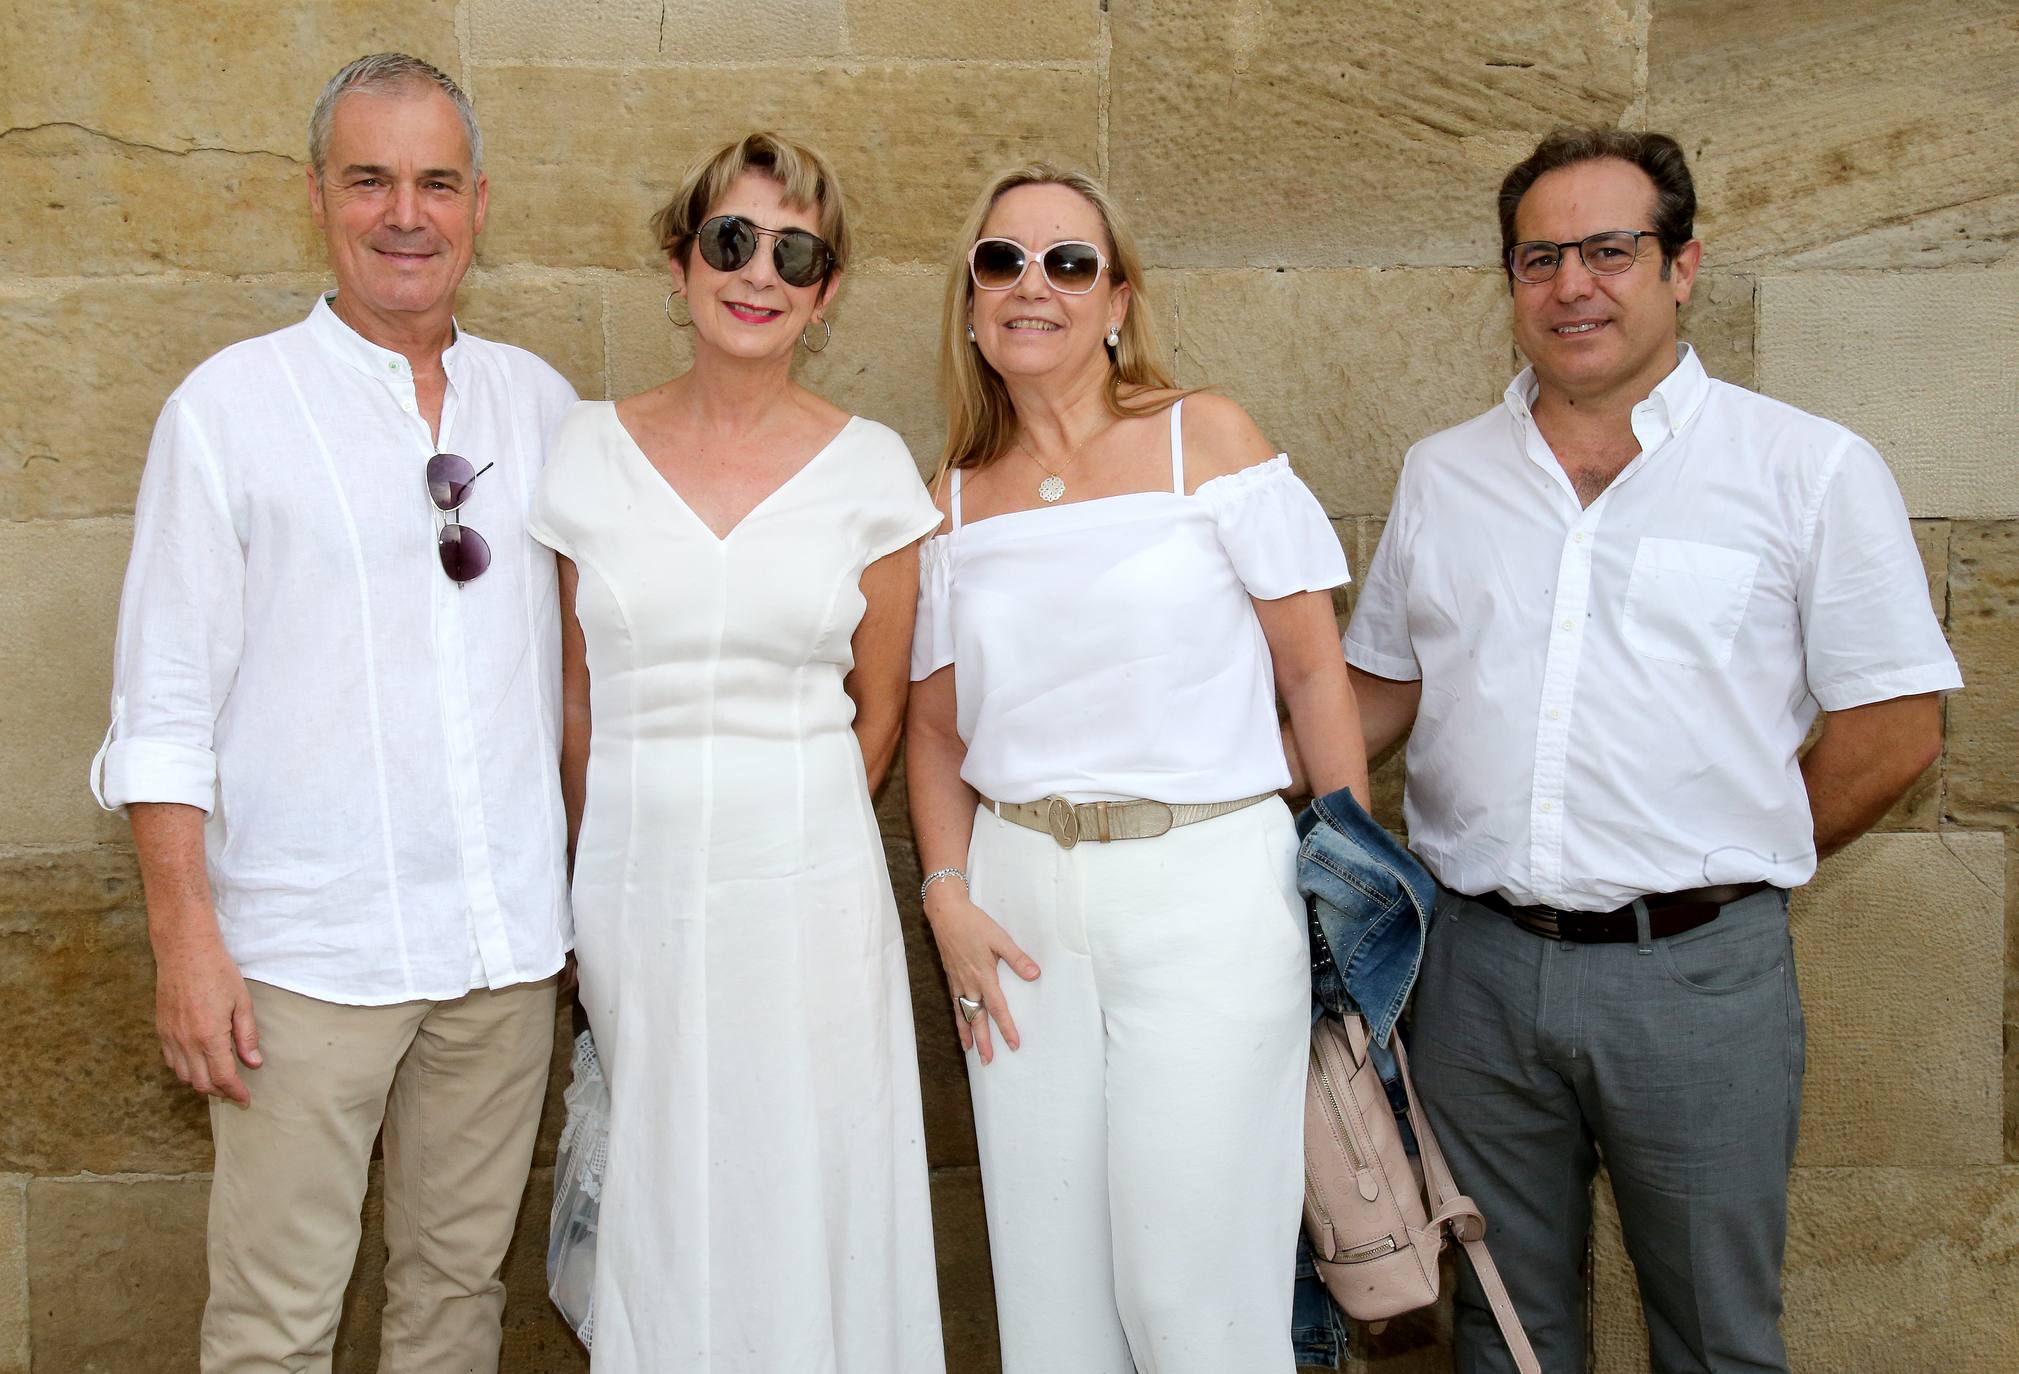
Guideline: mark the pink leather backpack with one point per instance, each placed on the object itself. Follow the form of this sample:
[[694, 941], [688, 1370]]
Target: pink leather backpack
[[1375, 1239]]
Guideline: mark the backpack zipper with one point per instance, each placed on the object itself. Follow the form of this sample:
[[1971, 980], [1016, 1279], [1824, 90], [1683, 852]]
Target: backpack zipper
[[1343, 1128], [1349, 1128], [1373, 1249]]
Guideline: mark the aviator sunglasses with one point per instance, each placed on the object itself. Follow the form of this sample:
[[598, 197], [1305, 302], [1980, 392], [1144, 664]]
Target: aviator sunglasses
[[1073, 267], [464, 553], [729, 241]]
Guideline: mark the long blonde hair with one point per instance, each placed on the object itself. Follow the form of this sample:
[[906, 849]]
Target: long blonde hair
[[980, 420]]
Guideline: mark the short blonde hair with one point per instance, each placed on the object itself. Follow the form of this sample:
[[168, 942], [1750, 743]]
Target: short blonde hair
[[980, 420], [804, 178]]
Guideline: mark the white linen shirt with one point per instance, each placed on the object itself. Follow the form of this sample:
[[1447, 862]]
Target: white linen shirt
[[376, 748], [1614, 695]]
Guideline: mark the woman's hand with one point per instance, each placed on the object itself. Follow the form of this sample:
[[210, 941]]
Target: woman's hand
[[970, 945]]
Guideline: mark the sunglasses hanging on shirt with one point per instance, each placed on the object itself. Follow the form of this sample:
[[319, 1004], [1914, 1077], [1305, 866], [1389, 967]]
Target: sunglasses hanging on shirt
[[464, 554]]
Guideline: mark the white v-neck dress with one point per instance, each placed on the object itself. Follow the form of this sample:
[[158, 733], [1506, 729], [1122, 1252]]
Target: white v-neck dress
[[765, 1207]]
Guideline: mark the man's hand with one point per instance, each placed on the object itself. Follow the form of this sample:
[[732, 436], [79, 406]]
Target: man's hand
[[203, 1015], [201, 1009]]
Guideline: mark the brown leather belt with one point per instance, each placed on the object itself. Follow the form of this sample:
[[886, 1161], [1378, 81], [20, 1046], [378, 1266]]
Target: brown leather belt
[[1668, 913]]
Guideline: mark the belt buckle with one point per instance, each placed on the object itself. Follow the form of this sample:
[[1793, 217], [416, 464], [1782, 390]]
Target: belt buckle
[[1578, 927], [1063, 821]]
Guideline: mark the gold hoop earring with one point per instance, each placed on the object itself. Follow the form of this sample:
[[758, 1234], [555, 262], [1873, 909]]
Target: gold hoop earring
[[677, 324], [826, 337]]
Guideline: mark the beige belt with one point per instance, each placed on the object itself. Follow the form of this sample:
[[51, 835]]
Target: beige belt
[[1102, 821]]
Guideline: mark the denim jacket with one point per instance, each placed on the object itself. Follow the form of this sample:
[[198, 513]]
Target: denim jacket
[[1370, 904]]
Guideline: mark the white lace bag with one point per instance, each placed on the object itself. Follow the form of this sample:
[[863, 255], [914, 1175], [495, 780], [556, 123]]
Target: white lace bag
[[578, 1190]]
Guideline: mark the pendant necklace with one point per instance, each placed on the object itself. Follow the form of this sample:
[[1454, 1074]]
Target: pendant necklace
[[1054, 486]]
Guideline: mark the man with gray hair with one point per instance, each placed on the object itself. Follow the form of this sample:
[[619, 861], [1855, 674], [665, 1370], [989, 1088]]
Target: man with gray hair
[[334, 730]]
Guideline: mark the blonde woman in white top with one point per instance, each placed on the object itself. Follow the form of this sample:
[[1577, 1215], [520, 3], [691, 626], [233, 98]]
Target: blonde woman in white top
[[1125, 580]]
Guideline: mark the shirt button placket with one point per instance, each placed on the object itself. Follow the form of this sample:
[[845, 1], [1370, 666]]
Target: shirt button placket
[[1559, 685], [402, 385]]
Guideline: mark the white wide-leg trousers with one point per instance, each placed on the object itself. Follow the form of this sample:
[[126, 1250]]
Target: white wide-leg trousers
[[1142, 1154]]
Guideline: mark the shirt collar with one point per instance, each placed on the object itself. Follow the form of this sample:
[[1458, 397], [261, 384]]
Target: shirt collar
[[1670, 406], [355, 350]]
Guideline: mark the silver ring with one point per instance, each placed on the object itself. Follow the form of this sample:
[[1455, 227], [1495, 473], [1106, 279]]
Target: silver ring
[[969, 1008]]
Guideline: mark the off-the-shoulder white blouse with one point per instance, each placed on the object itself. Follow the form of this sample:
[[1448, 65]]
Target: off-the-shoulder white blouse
[[1109, 648]]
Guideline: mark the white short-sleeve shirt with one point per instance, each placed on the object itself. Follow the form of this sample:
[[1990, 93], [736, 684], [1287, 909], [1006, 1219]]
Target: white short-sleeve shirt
[[1614, 695]]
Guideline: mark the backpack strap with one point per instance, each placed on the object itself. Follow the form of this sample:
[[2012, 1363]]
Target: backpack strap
[[1451, 1207]]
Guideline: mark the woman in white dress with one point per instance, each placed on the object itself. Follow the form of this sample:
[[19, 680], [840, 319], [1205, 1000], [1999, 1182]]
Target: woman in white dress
[[738, 581], [1127, 579]]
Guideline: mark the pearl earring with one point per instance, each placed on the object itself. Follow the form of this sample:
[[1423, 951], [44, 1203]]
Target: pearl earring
[[1114, 336], [970, 331]]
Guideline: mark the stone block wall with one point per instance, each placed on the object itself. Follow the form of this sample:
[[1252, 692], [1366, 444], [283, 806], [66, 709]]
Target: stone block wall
[[1312, 183]]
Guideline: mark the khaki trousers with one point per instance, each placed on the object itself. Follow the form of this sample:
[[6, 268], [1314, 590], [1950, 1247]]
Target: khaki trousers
[[457, 1086]]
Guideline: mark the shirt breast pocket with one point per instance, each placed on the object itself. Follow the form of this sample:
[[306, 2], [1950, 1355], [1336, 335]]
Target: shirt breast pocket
[[1685, 600]]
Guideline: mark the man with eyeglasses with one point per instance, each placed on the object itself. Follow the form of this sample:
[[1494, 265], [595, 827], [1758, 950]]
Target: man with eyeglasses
[[1611, 608], [334, 730]]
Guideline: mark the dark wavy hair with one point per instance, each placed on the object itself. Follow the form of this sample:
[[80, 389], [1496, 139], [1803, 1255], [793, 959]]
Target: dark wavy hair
[[1661, 157]]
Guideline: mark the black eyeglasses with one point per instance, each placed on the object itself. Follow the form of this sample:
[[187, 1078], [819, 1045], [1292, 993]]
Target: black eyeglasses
[[1073, 267], [729, 241], [464, 553], [1605, 254]]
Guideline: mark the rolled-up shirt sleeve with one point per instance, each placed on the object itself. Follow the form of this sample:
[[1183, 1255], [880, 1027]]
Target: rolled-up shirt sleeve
[[1869, 633], [1377, 638], [181, 627]]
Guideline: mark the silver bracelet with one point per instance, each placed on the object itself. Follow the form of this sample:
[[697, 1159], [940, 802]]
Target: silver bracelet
[[936, 875]]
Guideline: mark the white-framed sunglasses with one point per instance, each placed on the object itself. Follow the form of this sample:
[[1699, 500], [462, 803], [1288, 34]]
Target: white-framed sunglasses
[[1072, 266]]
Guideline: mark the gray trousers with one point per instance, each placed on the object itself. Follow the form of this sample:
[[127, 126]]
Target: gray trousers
[[1679, 1064]]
